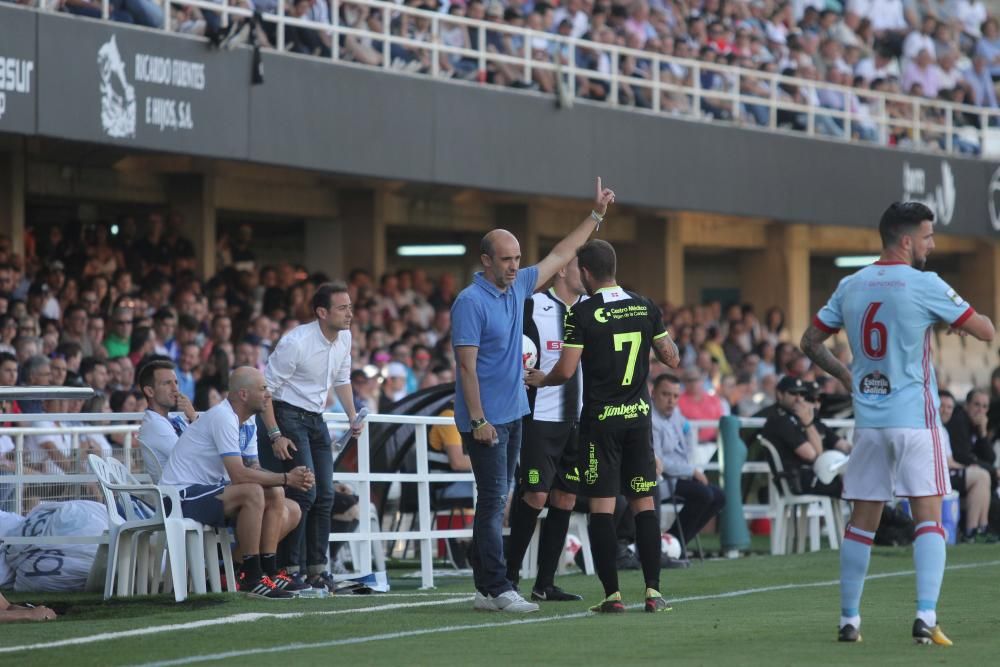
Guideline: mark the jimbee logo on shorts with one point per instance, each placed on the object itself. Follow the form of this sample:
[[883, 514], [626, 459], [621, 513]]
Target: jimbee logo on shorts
[[640, 485]]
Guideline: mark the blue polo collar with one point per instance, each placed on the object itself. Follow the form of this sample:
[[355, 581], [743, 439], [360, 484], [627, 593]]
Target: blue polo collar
[[485, 284]]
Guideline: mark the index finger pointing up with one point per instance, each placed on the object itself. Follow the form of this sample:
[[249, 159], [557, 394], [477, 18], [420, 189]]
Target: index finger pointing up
[[599, 188]]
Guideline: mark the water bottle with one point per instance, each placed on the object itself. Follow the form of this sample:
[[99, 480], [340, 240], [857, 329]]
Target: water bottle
[[315, 593]]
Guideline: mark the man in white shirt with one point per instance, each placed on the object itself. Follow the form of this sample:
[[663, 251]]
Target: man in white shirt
[[220, 479], [159, 431], [306, 363], [702, 501]]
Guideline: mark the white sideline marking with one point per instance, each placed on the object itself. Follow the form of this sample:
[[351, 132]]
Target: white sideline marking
[[250, 617], [226, 620], [525, 621]]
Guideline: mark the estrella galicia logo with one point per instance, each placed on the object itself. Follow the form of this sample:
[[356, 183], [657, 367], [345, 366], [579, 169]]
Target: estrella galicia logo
[[875, 385], [117, 94]]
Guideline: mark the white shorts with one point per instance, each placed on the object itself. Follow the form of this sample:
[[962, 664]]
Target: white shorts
[[890, 462]]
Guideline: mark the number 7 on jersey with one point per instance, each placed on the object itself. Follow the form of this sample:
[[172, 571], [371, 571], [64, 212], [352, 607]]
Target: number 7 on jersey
[[634, 341]]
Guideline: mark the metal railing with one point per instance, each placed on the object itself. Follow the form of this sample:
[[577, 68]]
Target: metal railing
[[666, 84], [426, 534]]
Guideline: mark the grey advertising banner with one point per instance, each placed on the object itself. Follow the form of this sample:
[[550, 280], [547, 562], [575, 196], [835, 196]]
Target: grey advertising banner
[[137, 88], [18, 73]]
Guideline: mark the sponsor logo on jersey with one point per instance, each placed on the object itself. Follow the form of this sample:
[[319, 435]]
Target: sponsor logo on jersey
[[875, 385], [590, 474], [626, 410], [603, 315], [553, 345], [955, 298], [640, 485], [533, 476]]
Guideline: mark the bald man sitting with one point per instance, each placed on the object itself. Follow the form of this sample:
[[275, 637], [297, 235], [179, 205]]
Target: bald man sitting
[[215, 465]]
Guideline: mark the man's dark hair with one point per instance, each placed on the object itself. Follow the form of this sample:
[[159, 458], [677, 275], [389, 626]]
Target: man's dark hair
[[972, 394], [900, 219], [69, 349], [665, 377], [147, 375], [90, 363], [598, 257], [164, 314], [188, 322], [7, 356], [486, 246], [73, 308], [323, 296], [944, 393]]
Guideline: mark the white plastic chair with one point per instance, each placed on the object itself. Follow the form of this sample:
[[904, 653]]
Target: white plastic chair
[[215, 539], [795, 510], [203, 562], [151, 462]]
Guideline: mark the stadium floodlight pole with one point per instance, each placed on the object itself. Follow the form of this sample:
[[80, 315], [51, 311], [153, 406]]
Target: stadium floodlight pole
[[45, 393]]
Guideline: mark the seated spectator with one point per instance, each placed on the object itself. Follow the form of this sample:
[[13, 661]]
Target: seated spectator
[[117, 342], [37, 371], [159, 430], [702, 501], [445, 454], [221, 480], [50, 453], [393, 386], [697, 404], [8, 369], [187, 365], [96, 442], [95, 374], [971, 482], [800, 437], [968, 431]]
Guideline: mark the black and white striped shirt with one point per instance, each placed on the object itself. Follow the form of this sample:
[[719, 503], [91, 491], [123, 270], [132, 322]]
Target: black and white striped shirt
[[544, 316]]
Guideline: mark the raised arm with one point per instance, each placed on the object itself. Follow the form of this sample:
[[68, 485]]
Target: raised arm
[[564, 251], [813, 346]]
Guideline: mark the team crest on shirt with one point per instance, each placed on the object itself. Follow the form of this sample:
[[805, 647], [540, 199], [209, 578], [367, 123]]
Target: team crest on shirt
[[875, 385], [955, 298]]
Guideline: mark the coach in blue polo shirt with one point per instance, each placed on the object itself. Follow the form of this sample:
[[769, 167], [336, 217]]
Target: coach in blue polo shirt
[[490, 398]]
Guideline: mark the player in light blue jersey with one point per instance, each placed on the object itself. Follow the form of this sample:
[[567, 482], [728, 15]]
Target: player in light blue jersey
[[887, 311]]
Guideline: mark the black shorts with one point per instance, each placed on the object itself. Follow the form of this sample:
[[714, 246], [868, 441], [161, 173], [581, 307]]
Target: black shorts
[[549, 456], [957, 480], [203, 502], [617, 462]]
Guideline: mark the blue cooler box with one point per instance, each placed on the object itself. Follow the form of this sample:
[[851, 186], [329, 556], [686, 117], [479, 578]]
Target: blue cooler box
[[949, 515]]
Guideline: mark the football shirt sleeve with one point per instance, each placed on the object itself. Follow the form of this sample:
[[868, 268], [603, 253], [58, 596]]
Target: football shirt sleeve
[[656, 317], [572, 336], [830, 317], [466, 324], [943, 302]]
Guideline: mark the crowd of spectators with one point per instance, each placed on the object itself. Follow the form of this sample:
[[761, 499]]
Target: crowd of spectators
[[937, 49], [87, 307]]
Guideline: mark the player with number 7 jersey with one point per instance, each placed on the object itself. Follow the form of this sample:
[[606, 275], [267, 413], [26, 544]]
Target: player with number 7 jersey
[[615, 329]]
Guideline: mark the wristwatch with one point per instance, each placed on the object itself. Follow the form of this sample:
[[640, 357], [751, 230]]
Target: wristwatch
[[478, 423]]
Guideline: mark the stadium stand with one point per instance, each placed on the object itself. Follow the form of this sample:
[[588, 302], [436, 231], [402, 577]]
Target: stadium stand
[[836, 69]]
